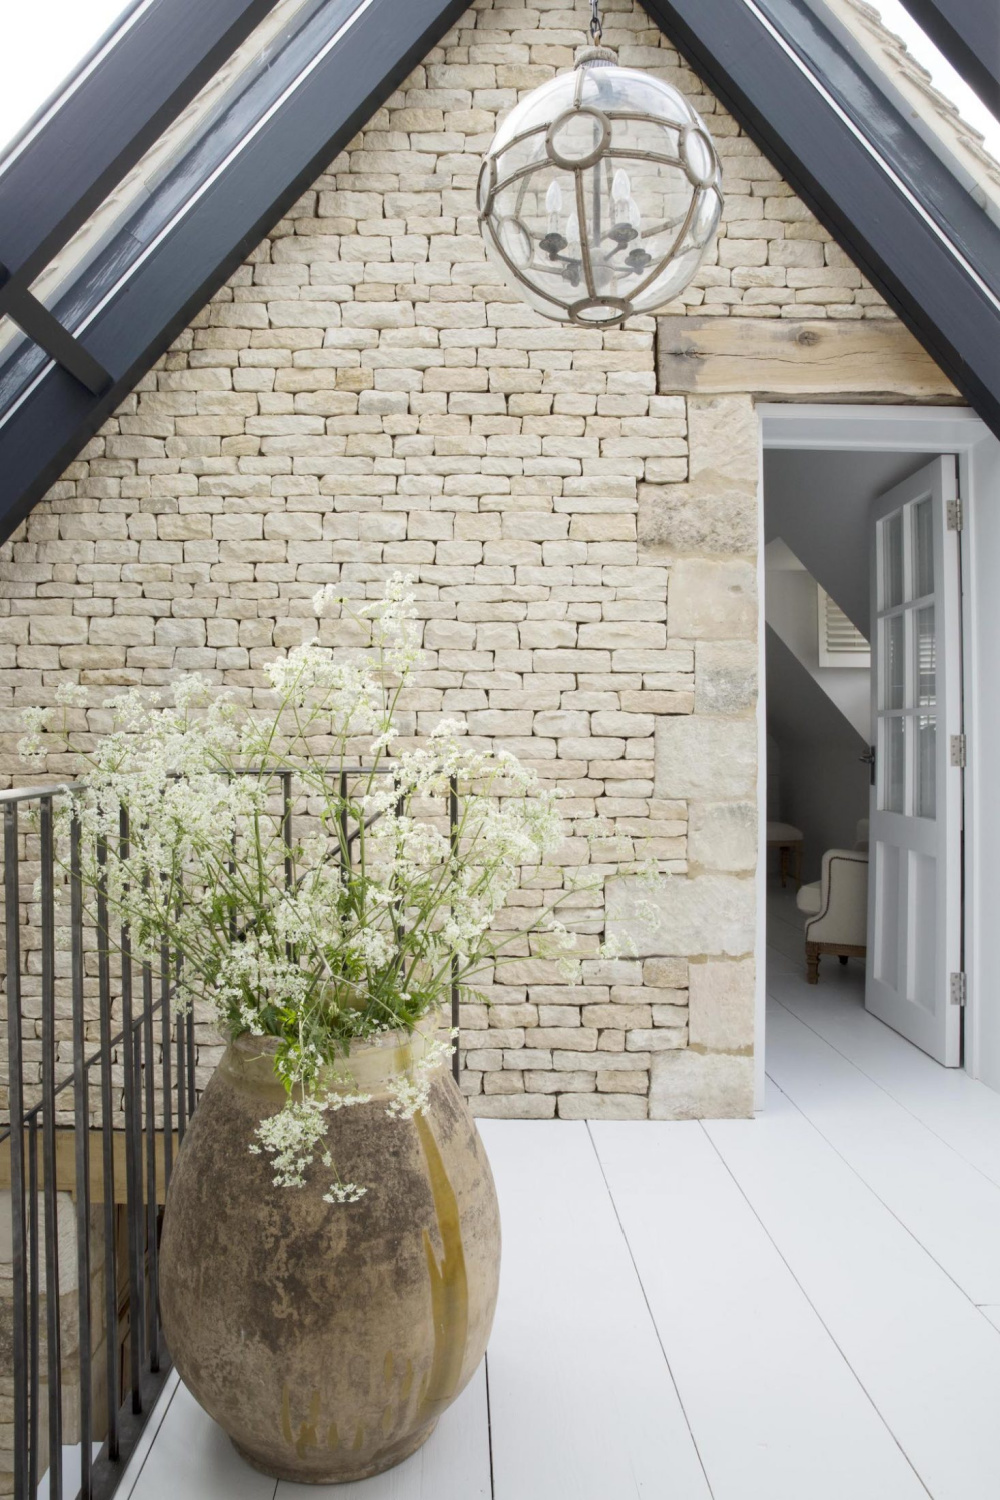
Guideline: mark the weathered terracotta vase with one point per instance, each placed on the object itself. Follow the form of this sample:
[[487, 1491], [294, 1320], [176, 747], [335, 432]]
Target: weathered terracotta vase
[[325, 1339]]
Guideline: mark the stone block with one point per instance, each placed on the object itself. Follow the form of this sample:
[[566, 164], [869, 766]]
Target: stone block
[[689, 1085], [702, 914], [722, 997], [701, 756], [725, 677], [712, 600], [722, 836], [659, 1039], [601, 1107], [716, 510], [665, 973], [514, 1106]]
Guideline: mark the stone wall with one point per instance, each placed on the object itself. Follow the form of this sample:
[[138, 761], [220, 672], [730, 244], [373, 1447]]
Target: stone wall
[[364, 396]]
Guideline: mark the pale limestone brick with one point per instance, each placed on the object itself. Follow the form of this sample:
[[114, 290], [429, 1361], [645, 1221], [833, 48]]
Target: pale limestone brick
[[722, 1005]]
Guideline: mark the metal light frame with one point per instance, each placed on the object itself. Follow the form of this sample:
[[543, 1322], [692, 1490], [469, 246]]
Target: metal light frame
[[547, 260]]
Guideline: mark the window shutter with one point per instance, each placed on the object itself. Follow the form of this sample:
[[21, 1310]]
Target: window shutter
[[841, 644]]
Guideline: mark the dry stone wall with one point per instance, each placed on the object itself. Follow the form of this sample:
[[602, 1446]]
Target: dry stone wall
[[365, 396]]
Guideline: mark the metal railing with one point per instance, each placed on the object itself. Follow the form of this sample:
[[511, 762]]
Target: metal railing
[[88, 1148], [102, 1080]]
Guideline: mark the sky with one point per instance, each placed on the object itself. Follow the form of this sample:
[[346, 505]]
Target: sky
[[44, 40]]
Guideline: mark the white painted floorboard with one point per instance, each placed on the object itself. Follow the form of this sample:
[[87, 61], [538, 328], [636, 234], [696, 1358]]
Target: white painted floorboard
[[582, 1403], [801, 1307], [924, 1353], [945, 1202], [193, 1458], [962, 1111], [776, 1410]]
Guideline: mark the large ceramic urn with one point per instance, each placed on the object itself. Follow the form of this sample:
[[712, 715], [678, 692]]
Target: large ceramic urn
[[327, 1339]]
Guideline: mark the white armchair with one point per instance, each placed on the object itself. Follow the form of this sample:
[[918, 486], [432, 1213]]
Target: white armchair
[[836, 909]]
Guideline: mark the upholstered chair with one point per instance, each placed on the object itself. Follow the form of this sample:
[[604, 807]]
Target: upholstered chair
[[836, 909]]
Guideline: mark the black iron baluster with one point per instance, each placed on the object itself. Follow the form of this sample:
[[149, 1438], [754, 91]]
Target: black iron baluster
[[34, 1303], [191, 1059], [149, 1079], [81, 1102], [133, 1154], [286, 826], [345, 841], [108, 1152], [16, 1102], [453, 840], [182, 1091], [50, 1200], [166, 1042], [149, 1076]]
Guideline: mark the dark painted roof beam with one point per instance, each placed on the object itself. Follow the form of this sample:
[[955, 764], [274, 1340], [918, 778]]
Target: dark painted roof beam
[[37, 322], [750, 63], [968, 33], [120, 107], [383, 44]]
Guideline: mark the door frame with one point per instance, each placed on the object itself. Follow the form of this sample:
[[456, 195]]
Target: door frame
[[901, 429]]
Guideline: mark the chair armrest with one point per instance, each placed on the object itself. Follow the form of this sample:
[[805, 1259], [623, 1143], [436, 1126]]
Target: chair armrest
[[843, 912]]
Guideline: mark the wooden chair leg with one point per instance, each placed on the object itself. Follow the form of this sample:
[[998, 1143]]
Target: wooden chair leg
[[798, 864], [812, 963], [783, 851]]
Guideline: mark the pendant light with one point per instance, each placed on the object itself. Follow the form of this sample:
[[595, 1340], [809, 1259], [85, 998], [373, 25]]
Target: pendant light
[[600, 193]]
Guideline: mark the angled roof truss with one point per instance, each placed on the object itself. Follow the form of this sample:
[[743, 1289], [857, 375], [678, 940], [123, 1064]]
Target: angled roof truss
[[968, 33], [343, 61], [780, 66]]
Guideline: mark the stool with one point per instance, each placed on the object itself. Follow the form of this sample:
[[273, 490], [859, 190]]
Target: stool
[[787, 840]]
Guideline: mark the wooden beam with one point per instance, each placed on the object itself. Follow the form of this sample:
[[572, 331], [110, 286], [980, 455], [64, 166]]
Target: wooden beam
[[66, 1163], [820, 359]]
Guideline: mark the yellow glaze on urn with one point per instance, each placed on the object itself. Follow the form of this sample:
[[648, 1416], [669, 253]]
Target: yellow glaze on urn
[[327, 1339]]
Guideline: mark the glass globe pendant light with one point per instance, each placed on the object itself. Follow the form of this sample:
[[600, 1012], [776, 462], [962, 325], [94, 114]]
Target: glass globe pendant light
[[600, 193]]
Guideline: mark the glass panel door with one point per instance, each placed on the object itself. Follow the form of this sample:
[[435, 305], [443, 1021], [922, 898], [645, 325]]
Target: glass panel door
[[906, 732], [914, 876]]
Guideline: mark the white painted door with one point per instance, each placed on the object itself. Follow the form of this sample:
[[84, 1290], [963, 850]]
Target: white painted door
[[915, 869]]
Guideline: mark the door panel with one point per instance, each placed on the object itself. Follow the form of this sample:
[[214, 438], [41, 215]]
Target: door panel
[[914, 888]]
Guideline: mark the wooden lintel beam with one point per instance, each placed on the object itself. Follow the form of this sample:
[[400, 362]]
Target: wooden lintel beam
[[813, 360]]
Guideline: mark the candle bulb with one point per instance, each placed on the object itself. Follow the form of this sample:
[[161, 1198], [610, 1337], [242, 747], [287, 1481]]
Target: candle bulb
[[553, 205], [553, 241], [625, 218]]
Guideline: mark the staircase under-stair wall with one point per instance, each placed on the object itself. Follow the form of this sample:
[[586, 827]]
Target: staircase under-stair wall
[[791, 611]]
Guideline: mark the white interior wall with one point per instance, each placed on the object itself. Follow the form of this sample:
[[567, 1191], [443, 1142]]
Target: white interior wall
[[823, 784], [791, 611], [817, 502]]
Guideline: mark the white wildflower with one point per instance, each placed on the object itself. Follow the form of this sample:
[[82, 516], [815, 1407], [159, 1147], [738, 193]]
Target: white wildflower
[[410, 1092], [344, 1192]]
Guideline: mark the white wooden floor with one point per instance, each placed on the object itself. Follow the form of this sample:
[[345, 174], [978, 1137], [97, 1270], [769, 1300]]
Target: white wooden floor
[[801, 1307]]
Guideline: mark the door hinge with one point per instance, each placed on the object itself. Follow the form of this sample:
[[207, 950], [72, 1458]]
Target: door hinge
[[959, 989], [958, 752], [953, 511]]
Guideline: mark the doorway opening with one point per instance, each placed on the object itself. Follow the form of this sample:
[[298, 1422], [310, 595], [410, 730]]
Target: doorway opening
[[864, 859]]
